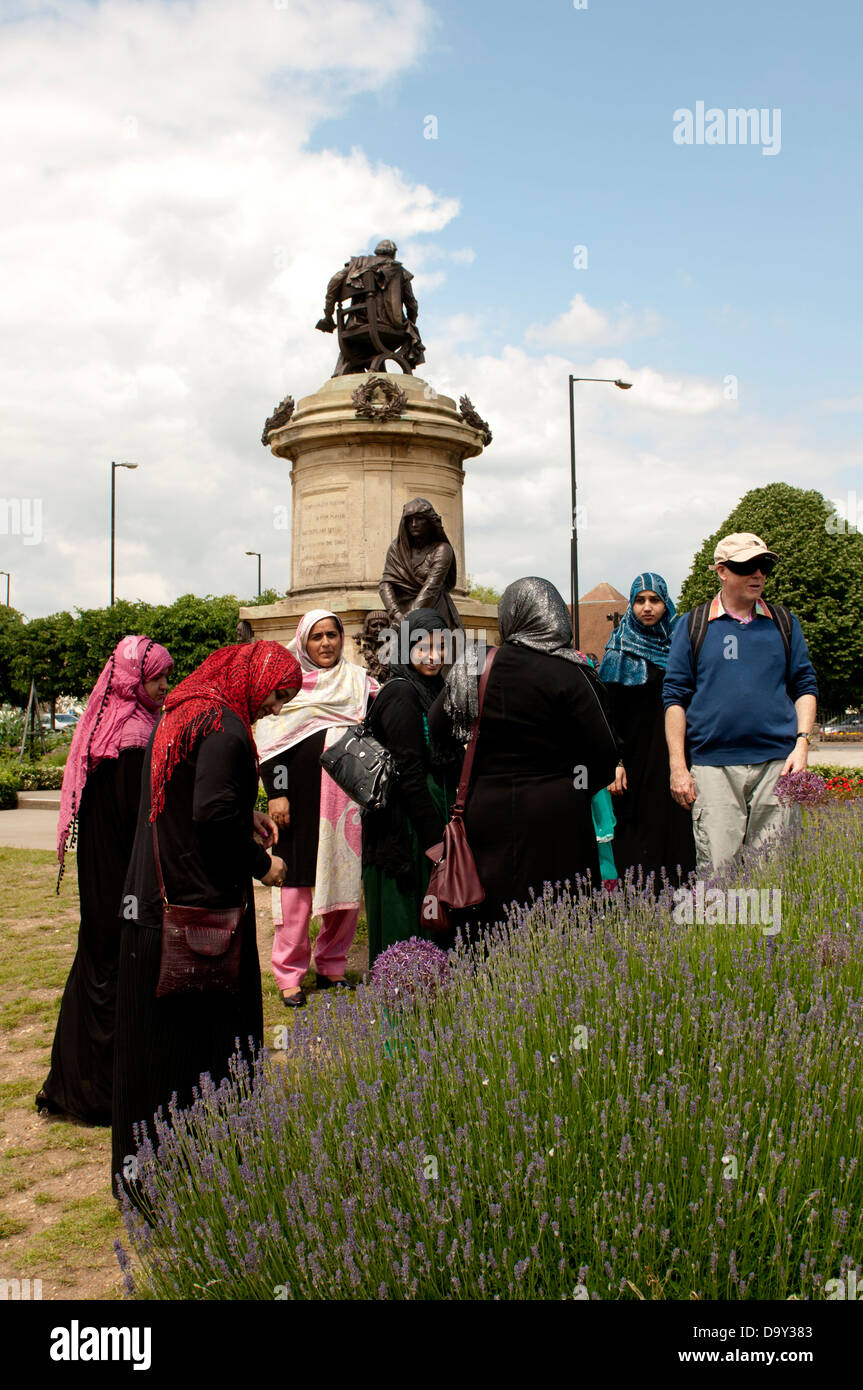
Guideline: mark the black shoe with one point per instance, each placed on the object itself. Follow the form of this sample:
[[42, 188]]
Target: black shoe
[[324, 982], [294, 1001], [46, 1106]]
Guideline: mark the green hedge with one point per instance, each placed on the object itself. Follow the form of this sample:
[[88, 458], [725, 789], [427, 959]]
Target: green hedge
[[27, 777]]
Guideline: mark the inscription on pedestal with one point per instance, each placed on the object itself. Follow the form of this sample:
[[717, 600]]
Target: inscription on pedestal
[[324, 542]]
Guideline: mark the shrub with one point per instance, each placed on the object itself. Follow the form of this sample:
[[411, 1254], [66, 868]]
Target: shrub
[[605, 1104], [40, 775], [9, 784]]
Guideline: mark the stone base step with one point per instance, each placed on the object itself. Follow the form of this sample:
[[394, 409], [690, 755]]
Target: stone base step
[[39, 801]]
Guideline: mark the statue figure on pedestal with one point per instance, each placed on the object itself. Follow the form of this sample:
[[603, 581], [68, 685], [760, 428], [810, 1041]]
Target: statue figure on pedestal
[[375, 624], [420, 567], [379, 324]]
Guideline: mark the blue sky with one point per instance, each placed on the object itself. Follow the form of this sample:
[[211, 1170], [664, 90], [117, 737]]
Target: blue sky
[[555, 129], [182, 179]]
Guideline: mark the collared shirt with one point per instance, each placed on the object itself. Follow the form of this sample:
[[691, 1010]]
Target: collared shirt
[[718, 610]]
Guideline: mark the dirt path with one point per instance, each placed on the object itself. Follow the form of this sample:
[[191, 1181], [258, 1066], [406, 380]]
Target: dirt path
[[58, 1221]]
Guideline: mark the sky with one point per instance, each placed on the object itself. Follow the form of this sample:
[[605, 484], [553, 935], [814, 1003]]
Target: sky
[[181, 180]]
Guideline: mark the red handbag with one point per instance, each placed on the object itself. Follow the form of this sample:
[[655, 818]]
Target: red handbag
[[201, 946], [454, 881]]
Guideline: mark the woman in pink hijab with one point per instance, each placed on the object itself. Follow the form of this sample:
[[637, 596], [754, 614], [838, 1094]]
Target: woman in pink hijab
[[98, 814]]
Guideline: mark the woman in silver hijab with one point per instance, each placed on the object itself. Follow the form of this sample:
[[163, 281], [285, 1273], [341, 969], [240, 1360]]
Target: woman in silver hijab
[[546, 746]]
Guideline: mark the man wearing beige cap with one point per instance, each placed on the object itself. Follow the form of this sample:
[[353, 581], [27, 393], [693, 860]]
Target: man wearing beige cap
[[740, 696]]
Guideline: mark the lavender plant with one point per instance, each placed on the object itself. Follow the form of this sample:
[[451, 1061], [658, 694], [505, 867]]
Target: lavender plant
[[605, 1101]]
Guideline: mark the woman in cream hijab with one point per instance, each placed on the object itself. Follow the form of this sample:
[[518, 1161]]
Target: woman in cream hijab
[[319, 825]]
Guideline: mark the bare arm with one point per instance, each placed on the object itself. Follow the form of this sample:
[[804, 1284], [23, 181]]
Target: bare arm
[[683, 788], [806, 706]]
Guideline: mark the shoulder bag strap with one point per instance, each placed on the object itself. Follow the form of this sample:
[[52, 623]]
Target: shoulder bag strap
[[159, 879], [467, 765]]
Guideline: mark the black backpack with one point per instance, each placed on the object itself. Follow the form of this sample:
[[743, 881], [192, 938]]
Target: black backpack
[[698, 618]]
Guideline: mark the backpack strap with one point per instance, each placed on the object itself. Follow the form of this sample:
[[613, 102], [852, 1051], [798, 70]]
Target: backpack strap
[[697, 621], [782, 618]]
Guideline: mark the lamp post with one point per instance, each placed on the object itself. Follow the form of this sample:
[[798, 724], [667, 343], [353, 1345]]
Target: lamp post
[[8, 581], [258, 553], [573, 558], [114, 467]]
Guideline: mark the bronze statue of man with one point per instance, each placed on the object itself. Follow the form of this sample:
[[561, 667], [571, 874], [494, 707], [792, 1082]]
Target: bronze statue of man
[[420, 568], [380, 322], [375, 624]]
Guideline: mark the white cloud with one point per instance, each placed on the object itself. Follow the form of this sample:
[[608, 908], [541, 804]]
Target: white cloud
[[585, 326]]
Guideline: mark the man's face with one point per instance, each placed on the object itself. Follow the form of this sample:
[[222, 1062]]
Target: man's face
[[739, 591]]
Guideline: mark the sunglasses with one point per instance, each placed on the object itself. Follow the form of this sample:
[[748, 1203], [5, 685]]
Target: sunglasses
[[764, 563]]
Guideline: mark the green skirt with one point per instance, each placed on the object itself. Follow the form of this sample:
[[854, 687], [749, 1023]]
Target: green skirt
[[393, 915]]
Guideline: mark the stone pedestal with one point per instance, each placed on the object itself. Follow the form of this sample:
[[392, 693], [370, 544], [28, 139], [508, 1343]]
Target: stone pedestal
[[350, 478]]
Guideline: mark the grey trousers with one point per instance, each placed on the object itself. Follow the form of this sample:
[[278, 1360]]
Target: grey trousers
[[735, 806]]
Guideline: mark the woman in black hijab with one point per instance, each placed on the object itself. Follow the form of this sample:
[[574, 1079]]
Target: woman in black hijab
[[396, 867], [545, 748]]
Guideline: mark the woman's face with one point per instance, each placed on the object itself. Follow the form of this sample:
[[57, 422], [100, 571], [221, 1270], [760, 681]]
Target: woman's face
[[157, 688], [274, 701], [324, 643], [419, 529], [427, 654], [648, 607]]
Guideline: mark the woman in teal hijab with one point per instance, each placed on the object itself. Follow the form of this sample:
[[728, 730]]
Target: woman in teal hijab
[[653, 834]]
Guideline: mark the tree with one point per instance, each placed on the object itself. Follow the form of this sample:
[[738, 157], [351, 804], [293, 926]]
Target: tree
[[12, 629], [483, 593], [819, 577]]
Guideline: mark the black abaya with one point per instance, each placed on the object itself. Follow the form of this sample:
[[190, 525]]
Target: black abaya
[[653, 833], [545, 748], [208, 857], [82, 1056]]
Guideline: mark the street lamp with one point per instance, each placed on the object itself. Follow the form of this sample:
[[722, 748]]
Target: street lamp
[[573, 554], [258, 553], [8, 581], [114, 467]]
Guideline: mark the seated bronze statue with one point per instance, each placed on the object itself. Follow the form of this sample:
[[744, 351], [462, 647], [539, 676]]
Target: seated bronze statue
[[420, 568], [378, 324]]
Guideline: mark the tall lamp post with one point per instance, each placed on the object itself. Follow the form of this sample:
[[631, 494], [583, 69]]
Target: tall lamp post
[[573, 560], [258, 553], [114, 467], [8, 581]]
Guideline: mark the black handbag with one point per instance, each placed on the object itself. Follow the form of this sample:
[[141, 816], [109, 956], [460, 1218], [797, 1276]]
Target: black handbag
[[361, 766], [201, 946]]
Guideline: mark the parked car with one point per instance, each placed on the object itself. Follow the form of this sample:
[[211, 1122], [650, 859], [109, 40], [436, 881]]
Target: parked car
[[61, 721], [844, 726]]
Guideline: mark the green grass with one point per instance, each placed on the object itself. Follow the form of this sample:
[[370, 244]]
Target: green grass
[[86, 1226]]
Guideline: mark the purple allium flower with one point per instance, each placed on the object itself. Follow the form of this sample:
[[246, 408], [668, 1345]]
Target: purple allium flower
[[411, 968], [806, 788]]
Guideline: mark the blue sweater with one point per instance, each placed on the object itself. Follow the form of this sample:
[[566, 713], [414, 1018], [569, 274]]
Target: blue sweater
[[738, 709]]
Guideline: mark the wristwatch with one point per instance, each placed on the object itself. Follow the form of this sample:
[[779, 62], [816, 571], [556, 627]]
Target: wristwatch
[[808, 737]]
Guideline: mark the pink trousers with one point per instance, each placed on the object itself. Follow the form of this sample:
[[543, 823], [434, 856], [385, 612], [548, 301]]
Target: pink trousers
[[292, 951]]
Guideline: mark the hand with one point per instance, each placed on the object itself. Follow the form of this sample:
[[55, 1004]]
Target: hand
[[796, 760], [275, 875], [326, 325], [620, 784], [683, 788], [265, 829], [280, 809]]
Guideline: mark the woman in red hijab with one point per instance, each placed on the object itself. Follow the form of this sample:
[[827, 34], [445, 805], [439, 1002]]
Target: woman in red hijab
[[98, 814], [199, 787]]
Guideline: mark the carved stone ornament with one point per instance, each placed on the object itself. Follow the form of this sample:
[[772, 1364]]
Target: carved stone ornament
[[470, 417], [394, 399], [280, 416]]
